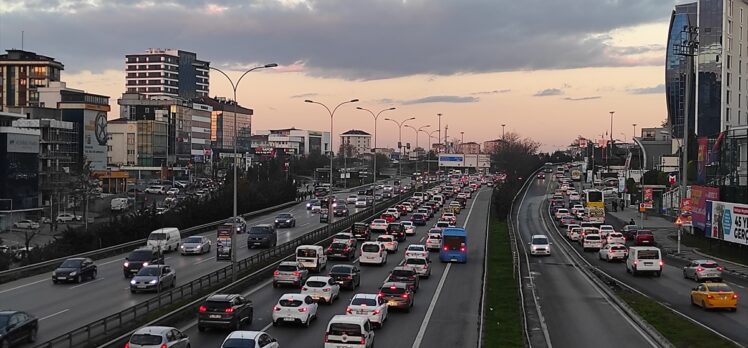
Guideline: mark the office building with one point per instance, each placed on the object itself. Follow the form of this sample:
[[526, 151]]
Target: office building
[[222, 124], [293, 141], [676, 70], [22, 73], [123, 146], [471, 147], [19, 168], [358, 140], [167, 72]]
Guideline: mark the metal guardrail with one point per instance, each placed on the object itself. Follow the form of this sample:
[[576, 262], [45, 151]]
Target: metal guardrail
[[130, 318], [45, 266]]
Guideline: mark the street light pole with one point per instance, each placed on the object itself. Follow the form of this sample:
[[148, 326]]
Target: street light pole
[[462, 141], [502, 131], [417, 130], [234, 86], [374, 180], [400, 141], [440, 130], [332, 113], [610, 146]]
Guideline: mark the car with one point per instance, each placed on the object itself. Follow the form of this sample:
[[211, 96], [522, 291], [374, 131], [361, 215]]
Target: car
[[263, 235], [605, 230], [362, 202], [341, 250], [425, 211], [351, 199], [389, 242], [67, 217], [539, 245], [419, 264], [153, 278], [341, 209], [345, 237], [324, 216], [172, 191], [456, 206], [158, 336], [285, 220], [396, 230], [540, 176], [295, 309], [394, 211], [405, 274], [76, 269], [373, 252], [27, 224], [379, 225], [561, 212], [321, 288], [434, 240], [450, 217], [629, 231], [419, 219], [195, 245], [156, 189], [312, 203], [389, 218], [361, 231], [592, 241], [398, 295], [443, 224], [225, 311], [613, 251], [408, 207], [249, 339], [371, 306], [348, 276], [700, 270], [644, 259], [615, 238], [644, 237], [140, 258], [17, 327], [290, 272], [714, 295], [346, 331], [417, 250], [410, 228]]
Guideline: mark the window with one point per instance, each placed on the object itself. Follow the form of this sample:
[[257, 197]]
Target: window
[[729, 27], [728, 97], [729, 77], [727, 115], [729, 61]]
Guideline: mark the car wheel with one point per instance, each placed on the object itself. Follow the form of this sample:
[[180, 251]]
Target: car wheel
[[32, 336], [132, 291], [658, 274], [54, 281], [93, 274], [275, 285], [308, 321], [703, 304], [692, 302], [78, 279]]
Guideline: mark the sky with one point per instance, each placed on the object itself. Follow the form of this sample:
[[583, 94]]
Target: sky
[[549, 70]]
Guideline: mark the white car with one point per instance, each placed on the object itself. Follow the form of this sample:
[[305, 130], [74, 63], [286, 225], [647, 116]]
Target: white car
[[408, 206], [394, 212], [605, 230], [351, 199], [67, 217], [417, 250], [389, 242], [249, 339], [28, 224], [443, 224], [321, 288], [361, 202], [410, 229], [420, 265], [434, 241], [155, 189], [173, 191], [373, 252], [576, 209], [371, 306], [615, 238], [295, 308], [561, 213], [612, 252], [592, 241], [378, 225], [574, 233], [316, 207], [540, 245], [574, 196]]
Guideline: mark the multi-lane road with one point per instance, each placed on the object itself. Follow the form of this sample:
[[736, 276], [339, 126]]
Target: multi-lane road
[[64, 307]]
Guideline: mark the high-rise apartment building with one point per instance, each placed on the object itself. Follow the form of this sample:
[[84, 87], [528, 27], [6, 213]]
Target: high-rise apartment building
[[22, 73], [359, 140], [168, 72]]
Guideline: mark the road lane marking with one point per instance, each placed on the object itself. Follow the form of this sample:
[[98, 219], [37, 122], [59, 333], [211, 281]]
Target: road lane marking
[[86, 283], [23, 286], [108, 262], [54, 314], [203, 260], [432, 305]]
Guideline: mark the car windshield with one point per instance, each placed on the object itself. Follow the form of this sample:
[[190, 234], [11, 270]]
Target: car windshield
[[239, 343], [384, 239], [415, 261], [719, 288], [643, 233], [316, 284], [338, 246], [402, 273], [259, 230], [289, 302], [284, 216], [341, 269], [435, 236], [370, 248], [540, 240], [157, 236], [388, 290], [379, 221], [145, 339], [141, 255], [416, 248], [71, 264], [649, 254], [709, 265], [592, 237], [617, 248], [217, 305], [287, 268], [193, 240], [148, 271], [339, 329], [358, 301], [306, 252]]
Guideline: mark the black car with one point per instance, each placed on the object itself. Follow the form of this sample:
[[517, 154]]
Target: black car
[[340, 250], [311, 203], [285, 220], [340, 210], [361, 231], [348, 276], [405, 275], [397, 230], [262, 236], [17, 327], [226, 311], [397, 295], [419, 219], [75, 269], [139, 258]]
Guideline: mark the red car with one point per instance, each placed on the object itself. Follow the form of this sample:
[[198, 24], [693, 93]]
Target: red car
[[388, 217], [402, 209], [644, 237]]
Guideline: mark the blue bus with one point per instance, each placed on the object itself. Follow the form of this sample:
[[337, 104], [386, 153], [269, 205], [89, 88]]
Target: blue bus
[[454, 245]]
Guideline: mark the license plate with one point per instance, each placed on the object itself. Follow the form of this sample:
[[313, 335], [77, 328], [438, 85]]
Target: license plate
[[453, 260], [61, 278], [392, 303], [256, 243], [215, 316], [289, 319], [141, 286], [648, 263], [340, 281]]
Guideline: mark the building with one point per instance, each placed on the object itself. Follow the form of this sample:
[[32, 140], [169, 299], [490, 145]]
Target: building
[[292, 141], [358, 140], [491, 146], [200, 138], [654, 143], [470, 147], [22, 73], [223, 116], [167, 72], [123, 146], [676, 71], [19, 168]]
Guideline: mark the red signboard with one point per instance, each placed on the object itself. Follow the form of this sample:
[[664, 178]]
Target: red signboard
[[699, 196]]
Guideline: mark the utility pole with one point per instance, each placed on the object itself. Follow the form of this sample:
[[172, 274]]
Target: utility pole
[[502, 131], [440, 129], [446, 128], [610, 147]]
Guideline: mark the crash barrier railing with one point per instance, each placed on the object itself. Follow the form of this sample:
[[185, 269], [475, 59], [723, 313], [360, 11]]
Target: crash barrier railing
[[99, 331]]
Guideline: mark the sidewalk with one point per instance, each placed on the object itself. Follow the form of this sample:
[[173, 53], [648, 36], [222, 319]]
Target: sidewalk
[[666, 234]]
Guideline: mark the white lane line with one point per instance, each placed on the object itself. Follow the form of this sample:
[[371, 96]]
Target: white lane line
[[24, 285], [54, 314], [203, 260], [432, 305], [267, 326], [86, 283], [108, 262]]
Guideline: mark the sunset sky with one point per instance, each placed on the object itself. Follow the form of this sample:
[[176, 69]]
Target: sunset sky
[[549, 69]]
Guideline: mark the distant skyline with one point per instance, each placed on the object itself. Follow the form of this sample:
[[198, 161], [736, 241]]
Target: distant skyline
[[480, 63]]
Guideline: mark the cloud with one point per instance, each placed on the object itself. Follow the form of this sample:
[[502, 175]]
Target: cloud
[[304, 95], [333, 39], [548, 92], [441, 99], [659, 89], [495, 91], [582, 98]]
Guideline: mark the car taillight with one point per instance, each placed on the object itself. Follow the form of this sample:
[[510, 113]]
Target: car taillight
[[304, 288], [202, 309], [734, 296], [127, 344], [276, 273], [710, 297], [462, 249], [126, 264], [720, 269], [376, 311], [699, 269], [277, 308], [326, 290], [229, 310], [662, 263], [326, 338], [363, 340], [164, 345], [296, 273], [446, 248], [380, 294], [302, 310], [404, 296]]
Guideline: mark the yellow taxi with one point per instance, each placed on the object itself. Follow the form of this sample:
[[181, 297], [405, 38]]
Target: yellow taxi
[[456, 207], [714, 295]]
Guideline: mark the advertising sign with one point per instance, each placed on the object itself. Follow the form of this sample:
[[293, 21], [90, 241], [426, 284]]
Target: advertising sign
[[451, 160], [22, 143], [686, 216], [700, 195], [702, 159], [708, 220], [223, 242], [730, 222], [648, 197], [95, 138], [470, 161], [484, 161]]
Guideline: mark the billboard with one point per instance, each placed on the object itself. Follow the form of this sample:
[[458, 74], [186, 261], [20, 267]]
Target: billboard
[[451, 160], [95, 138], [461, 160], [22, 143], [702, 159], [223, 242], [729, 222], [699, 197]]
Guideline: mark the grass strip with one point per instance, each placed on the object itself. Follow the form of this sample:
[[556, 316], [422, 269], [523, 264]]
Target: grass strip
[[680, 331], [503, 319]]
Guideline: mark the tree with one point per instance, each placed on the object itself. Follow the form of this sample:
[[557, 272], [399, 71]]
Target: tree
[[382, 162]]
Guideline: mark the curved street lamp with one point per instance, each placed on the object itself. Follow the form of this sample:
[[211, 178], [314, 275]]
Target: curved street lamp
[[400, 140], [376, 117], [417, 130]]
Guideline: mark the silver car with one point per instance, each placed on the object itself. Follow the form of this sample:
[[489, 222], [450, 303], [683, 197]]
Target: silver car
[[699, 270], [195, 245], [158, 336], [290, 272], [153, 278]]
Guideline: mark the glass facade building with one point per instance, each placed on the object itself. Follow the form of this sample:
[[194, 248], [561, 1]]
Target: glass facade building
[[710, 68], [676, 70]]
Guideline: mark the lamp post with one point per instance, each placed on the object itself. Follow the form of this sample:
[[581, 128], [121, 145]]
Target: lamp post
[[332, 114], [440, 130], [400, 141], [417, 130], [502, 130], [610, 146], [462, 141], [376, 117], [234, 86]]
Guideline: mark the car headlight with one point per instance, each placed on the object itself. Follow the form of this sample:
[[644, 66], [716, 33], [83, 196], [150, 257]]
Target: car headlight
[[126, 264], [152, 282], [277, 221], [73, 273], [54, 273], [145, 264], [182, 247], [132, 282]]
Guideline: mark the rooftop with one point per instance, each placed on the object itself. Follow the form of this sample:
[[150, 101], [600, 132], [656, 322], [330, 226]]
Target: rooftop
[[355, 132], [27, 56]]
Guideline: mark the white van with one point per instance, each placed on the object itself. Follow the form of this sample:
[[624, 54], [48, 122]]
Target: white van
[[119, 204], [349, 331], [167, 239], [311, 257], [373, 253], [644, 259]]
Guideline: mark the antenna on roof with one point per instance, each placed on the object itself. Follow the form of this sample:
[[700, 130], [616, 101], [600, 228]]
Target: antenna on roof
[[21, 40]]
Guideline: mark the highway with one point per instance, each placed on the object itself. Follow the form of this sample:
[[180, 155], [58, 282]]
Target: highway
[[64, 307], [449, 301], [575, 311]]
